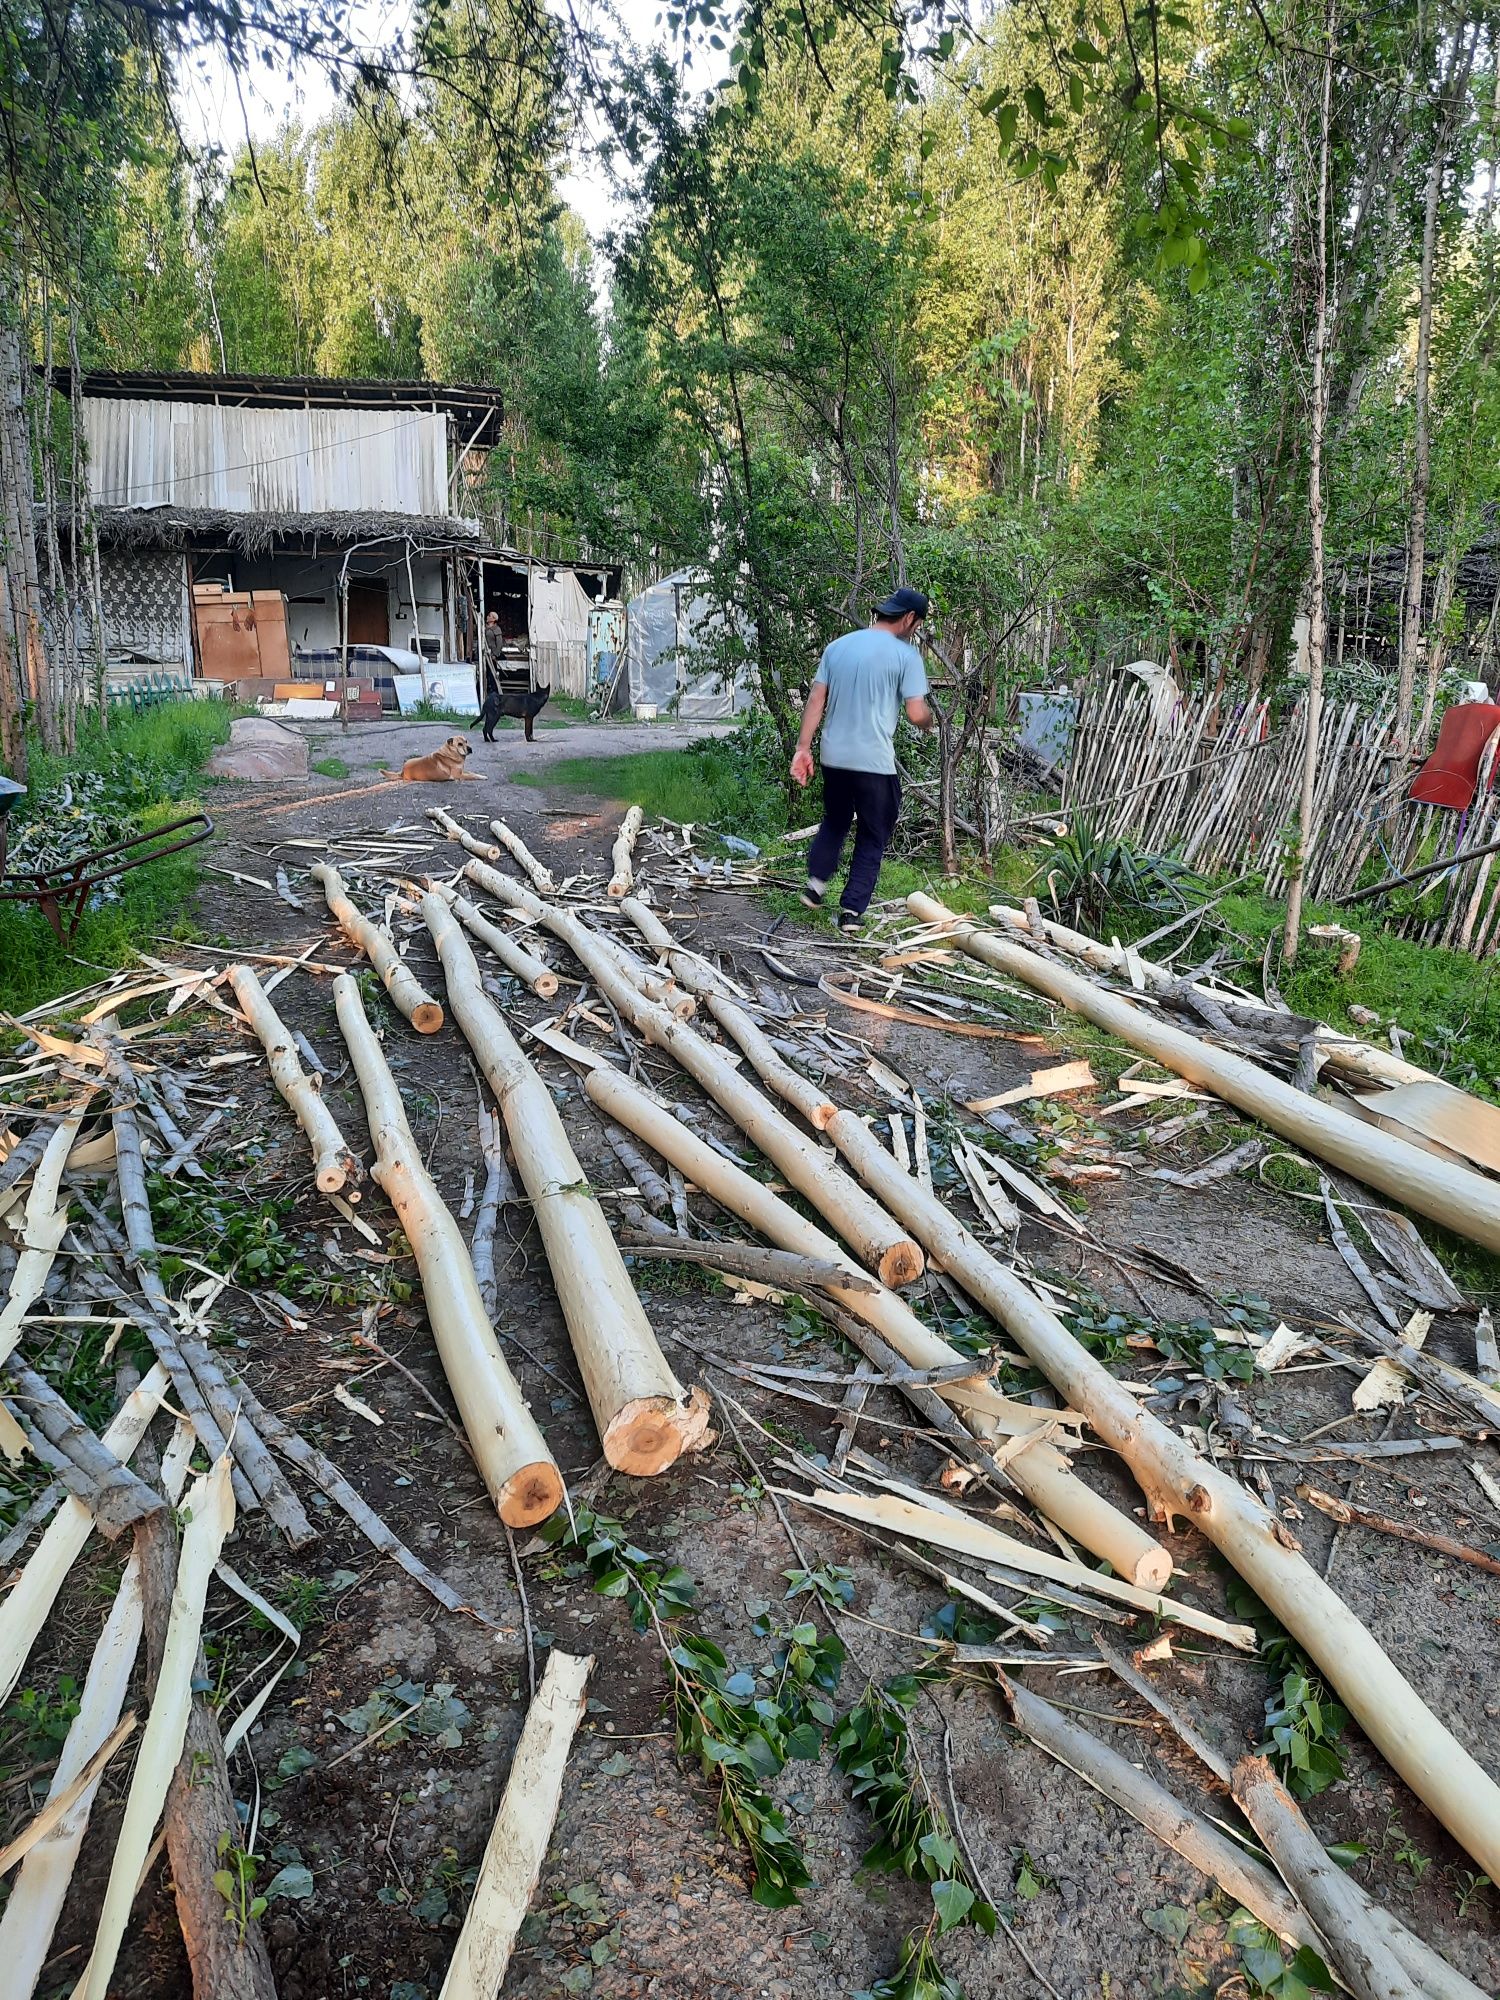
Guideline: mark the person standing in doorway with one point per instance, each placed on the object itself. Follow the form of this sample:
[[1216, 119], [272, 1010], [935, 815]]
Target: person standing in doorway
[[863, 682]]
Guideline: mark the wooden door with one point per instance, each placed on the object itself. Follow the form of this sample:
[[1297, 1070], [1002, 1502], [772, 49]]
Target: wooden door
[[369, 614]]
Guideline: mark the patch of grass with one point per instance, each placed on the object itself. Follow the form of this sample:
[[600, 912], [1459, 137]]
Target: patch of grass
[[331, 767], [721, 783], [138, 776]]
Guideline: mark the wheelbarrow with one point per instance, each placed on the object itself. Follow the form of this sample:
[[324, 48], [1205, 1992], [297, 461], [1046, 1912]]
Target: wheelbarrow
[[61, 892]]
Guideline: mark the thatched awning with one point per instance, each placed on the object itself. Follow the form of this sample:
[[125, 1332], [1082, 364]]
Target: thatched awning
[[261, 534]]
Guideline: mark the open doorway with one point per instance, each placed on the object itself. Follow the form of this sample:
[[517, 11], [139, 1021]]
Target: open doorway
[[505, 648]]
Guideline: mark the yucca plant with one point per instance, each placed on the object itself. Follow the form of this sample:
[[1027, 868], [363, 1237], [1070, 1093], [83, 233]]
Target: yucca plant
[[1088, 874]]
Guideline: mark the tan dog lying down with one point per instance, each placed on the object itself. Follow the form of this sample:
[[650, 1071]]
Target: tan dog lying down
[[444, 766]]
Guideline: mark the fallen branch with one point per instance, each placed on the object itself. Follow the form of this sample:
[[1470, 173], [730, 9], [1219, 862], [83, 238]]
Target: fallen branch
[[622, 880], [114, 1495], [1176, 1480], [517, 1466], [1199, 1842], [1346, 1512], [406, 991], [645, 1417], [25, 1607], [870, 1232], [1363, 1960], [45, 1225], [59, 1804], [517, 1845], [964, 1535], [333, 1162], [781, 1269], [1453, 1195], [1040, 1471], [539, 877]]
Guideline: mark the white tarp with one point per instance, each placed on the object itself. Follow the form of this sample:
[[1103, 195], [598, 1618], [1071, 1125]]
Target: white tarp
[[559, 609], [672, 640]]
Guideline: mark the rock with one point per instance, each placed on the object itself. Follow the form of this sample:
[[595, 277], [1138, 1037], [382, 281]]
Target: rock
[[263, 751]]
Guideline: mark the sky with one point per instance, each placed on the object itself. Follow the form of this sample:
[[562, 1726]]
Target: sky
[[216, 108]]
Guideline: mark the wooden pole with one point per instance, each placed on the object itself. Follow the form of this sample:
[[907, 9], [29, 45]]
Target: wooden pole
[[1040, 1471], [406, 991], [333, 1162], [1446, 1193], [1176, 1481], [517, 1845], [511, 1453], [623, 879], [646, 1418], [864, 1226]]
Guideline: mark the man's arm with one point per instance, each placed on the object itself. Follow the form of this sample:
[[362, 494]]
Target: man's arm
[[812, 715], [919, 712]]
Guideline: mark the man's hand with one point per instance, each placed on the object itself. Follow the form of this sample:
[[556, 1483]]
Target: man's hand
[[802, 766]]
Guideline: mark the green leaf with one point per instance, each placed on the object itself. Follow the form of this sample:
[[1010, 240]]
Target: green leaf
[[295, 1882], [1035, 99], [953, 1902]]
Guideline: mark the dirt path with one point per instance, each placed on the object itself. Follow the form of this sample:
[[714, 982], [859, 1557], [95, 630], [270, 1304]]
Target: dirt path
[[641, 1896]]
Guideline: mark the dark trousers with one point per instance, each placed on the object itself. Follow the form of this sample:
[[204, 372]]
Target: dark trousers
[[869, 801]]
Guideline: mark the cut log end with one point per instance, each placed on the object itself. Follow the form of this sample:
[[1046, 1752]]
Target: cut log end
[[902, 1264], [1154, 1570], [545, 985], [335, 1174], [646, 1436], [619, 889], [427, 1017], [531, 1494], [824, 1116]]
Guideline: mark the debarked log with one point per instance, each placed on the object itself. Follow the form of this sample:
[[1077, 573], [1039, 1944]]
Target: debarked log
[[509, 1449], [646, 1419], [333, 1162], [405, 989]]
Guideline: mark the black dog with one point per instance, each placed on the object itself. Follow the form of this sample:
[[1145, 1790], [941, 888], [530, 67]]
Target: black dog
[[524, 706]]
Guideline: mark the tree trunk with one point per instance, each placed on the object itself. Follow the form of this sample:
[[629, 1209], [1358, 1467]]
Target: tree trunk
[[1317, 608], [1452, 92]]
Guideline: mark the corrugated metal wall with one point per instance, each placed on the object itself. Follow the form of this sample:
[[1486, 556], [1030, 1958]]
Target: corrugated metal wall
[[148, 454]]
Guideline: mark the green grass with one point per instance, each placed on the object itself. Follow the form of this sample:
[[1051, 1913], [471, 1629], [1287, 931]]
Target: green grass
[[144, 771], [721, 782], [331, 767]]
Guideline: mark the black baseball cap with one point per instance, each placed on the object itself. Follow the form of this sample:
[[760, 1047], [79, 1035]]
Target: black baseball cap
[[901, 601]]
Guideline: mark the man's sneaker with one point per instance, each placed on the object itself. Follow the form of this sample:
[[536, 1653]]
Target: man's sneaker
[[851, 923], [811, 898]]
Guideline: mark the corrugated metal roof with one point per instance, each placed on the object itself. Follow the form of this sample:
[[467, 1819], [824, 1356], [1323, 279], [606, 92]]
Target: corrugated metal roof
[[292, 460], [476, 408]]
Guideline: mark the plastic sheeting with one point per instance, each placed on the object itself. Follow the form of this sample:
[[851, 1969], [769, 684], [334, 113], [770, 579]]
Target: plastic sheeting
[[673, 642]]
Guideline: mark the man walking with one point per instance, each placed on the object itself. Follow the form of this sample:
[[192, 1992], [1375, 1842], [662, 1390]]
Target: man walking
[[862, 684]]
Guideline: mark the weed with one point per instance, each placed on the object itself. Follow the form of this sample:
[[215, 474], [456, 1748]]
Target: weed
[[1270, 1969], [1030, 1880], [1468, 1887], [1404, 1850], [1090, 874], [227, 1230], [235, 1881], [331, 767], [34, 1725]]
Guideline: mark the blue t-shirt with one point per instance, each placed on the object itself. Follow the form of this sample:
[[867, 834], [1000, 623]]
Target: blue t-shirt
[[868, 675]]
